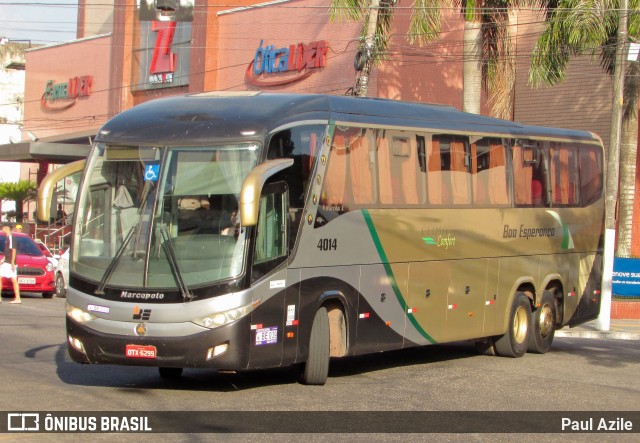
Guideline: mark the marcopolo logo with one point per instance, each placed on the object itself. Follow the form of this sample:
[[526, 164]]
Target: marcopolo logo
[[141, 295], [270, 65]]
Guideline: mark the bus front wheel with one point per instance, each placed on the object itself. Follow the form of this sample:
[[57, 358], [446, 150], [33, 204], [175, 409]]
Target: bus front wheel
[[543, 325], [316, 368], [515, 341]]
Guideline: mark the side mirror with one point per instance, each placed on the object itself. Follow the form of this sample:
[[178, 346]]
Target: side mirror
[[252, 188], [48, 186]]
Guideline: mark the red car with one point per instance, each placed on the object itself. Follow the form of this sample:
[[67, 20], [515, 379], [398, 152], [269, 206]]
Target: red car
[[35, 272]]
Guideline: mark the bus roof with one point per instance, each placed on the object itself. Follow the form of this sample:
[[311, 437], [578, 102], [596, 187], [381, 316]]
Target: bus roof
[[201, 118]]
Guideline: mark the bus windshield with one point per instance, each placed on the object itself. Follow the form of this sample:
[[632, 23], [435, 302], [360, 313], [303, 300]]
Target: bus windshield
[[162, 217]]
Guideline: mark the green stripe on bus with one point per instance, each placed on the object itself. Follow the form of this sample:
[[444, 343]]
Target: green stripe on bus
[[392, 278]]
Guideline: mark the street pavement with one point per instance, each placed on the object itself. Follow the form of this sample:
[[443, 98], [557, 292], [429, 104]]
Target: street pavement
[[621, 329]]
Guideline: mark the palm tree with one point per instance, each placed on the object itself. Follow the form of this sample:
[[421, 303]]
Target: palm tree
[[488, 59], [18, 192], [577, 27]]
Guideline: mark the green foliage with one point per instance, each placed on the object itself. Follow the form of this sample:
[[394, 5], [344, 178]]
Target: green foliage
[[19, 192], [577, 27]]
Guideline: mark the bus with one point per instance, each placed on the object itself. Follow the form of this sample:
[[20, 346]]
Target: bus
[[249, 230]]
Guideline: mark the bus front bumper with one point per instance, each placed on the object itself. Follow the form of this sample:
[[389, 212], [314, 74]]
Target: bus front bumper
[[225, 347]]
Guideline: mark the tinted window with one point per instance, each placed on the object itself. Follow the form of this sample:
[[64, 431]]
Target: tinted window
[[448, 170], [529, 174], [24, 245]]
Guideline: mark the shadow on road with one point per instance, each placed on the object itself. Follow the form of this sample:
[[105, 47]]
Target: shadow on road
[[134, 378]]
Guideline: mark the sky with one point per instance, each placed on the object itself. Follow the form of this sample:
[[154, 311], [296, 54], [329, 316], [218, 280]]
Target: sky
[[41, 21]]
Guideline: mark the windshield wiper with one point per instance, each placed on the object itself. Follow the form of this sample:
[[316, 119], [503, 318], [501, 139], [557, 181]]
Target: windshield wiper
[[135, 228], [173, 264], [114, 263]]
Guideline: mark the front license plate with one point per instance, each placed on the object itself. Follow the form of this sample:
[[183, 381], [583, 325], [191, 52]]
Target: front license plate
[[27, 280], [138, 351]]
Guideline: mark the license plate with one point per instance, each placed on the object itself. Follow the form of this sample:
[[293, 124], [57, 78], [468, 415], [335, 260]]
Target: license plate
[[267, 336], [27, 280], [139, 351]]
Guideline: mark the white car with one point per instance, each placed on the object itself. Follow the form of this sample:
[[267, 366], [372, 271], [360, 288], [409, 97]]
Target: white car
[[63, 262], [60, 264]]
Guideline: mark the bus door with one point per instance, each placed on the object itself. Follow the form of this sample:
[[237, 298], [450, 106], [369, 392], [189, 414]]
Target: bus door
[[269, 277]]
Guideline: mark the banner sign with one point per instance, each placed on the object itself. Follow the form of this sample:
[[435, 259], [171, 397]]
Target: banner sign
[[626, 277]]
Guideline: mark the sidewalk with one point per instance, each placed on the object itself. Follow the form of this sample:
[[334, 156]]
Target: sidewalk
[[620, 330]]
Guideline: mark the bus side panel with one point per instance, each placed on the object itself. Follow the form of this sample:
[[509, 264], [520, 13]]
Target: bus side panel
[[466, 299], [427, 300], [381, 313], [589, 280], [267, 321], [291, 320], [491, 313]]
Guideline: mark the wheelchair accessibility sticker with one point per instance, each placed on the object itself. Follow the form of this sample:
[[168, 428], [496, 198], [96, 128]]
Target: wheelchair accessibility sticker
[[151, 173]]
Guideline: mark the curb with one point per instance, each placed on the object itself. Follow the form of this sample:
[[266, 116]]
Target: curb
[[602, 335]]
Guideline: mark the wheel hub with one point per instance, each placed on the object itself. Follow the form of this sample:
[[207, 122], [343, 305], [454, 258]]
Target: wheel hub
[[520, 323], [546, 321]]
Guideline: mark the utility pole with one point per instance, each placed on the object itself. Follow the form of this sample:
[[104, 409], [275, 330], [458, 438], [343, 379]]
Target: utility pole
[[364, 57], [603, 323]]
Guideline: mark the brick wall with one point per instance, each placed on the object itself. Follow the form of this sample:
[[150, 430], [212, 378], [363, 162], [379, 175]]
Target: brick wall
[[625, 309]]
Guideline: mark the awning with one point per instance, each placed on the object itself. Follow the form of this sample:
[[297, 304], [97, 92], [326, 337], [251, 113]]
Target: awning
[[35, 151], [59, 149]]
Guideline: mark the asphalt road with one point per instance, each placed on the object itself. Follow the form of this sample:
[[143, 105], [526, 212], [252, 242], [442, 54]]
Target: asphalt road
[[576, 375]]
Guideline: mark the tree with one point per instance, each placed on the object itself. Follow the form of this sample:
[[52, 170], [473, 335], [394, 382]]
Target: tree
[[578, 27], [488, 59], [19, 192]]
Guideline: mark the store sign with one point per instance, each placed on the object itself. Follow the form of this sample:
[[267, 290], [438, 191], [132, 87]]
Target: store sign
[[273, 66], [626, 277], [60, 96], [163, 61]]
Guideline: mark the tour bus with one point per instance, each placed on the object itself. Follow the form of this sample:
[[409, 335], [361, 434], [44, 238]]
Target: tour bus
[[248, 230]]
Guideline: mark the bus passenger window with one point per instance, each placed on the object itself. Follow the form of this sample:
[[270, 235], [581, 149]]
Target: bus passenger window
[[399, 174], [590, 174], [563, 172], [348, 179], [529, 174], [489, 172], [448, 170]]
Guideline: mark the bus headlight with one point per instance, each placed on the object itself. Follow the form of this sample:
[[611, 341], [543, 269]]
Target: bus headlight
[[217, 319], [78, 314]]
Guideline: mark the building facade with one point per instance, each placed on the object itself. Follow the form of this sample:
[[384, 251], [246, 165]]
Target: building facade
[[129, 53]]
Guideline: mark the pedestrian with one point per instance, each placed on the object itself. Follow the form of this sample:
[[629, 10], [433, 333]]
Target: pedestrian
[[8, 267], [18, 228]]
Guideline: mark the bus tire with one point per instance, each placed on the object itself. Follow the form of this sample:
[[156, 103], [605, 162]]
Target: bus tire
[[515, 341], [543, 325], [316, 368], [169, 373]]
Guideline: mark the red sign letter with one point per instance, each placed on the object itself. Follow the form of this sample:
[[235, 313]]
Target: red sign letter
[[163, 60]]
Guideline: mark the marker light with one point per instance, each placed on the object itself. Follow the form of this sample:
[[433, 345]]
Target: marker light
[[78, 314]]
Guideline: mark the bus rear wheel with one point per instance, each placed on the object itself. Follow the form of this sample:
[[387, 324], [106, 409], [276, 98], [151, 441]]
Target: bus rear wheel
[[316, 368], [543, 325], [515, 341]]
